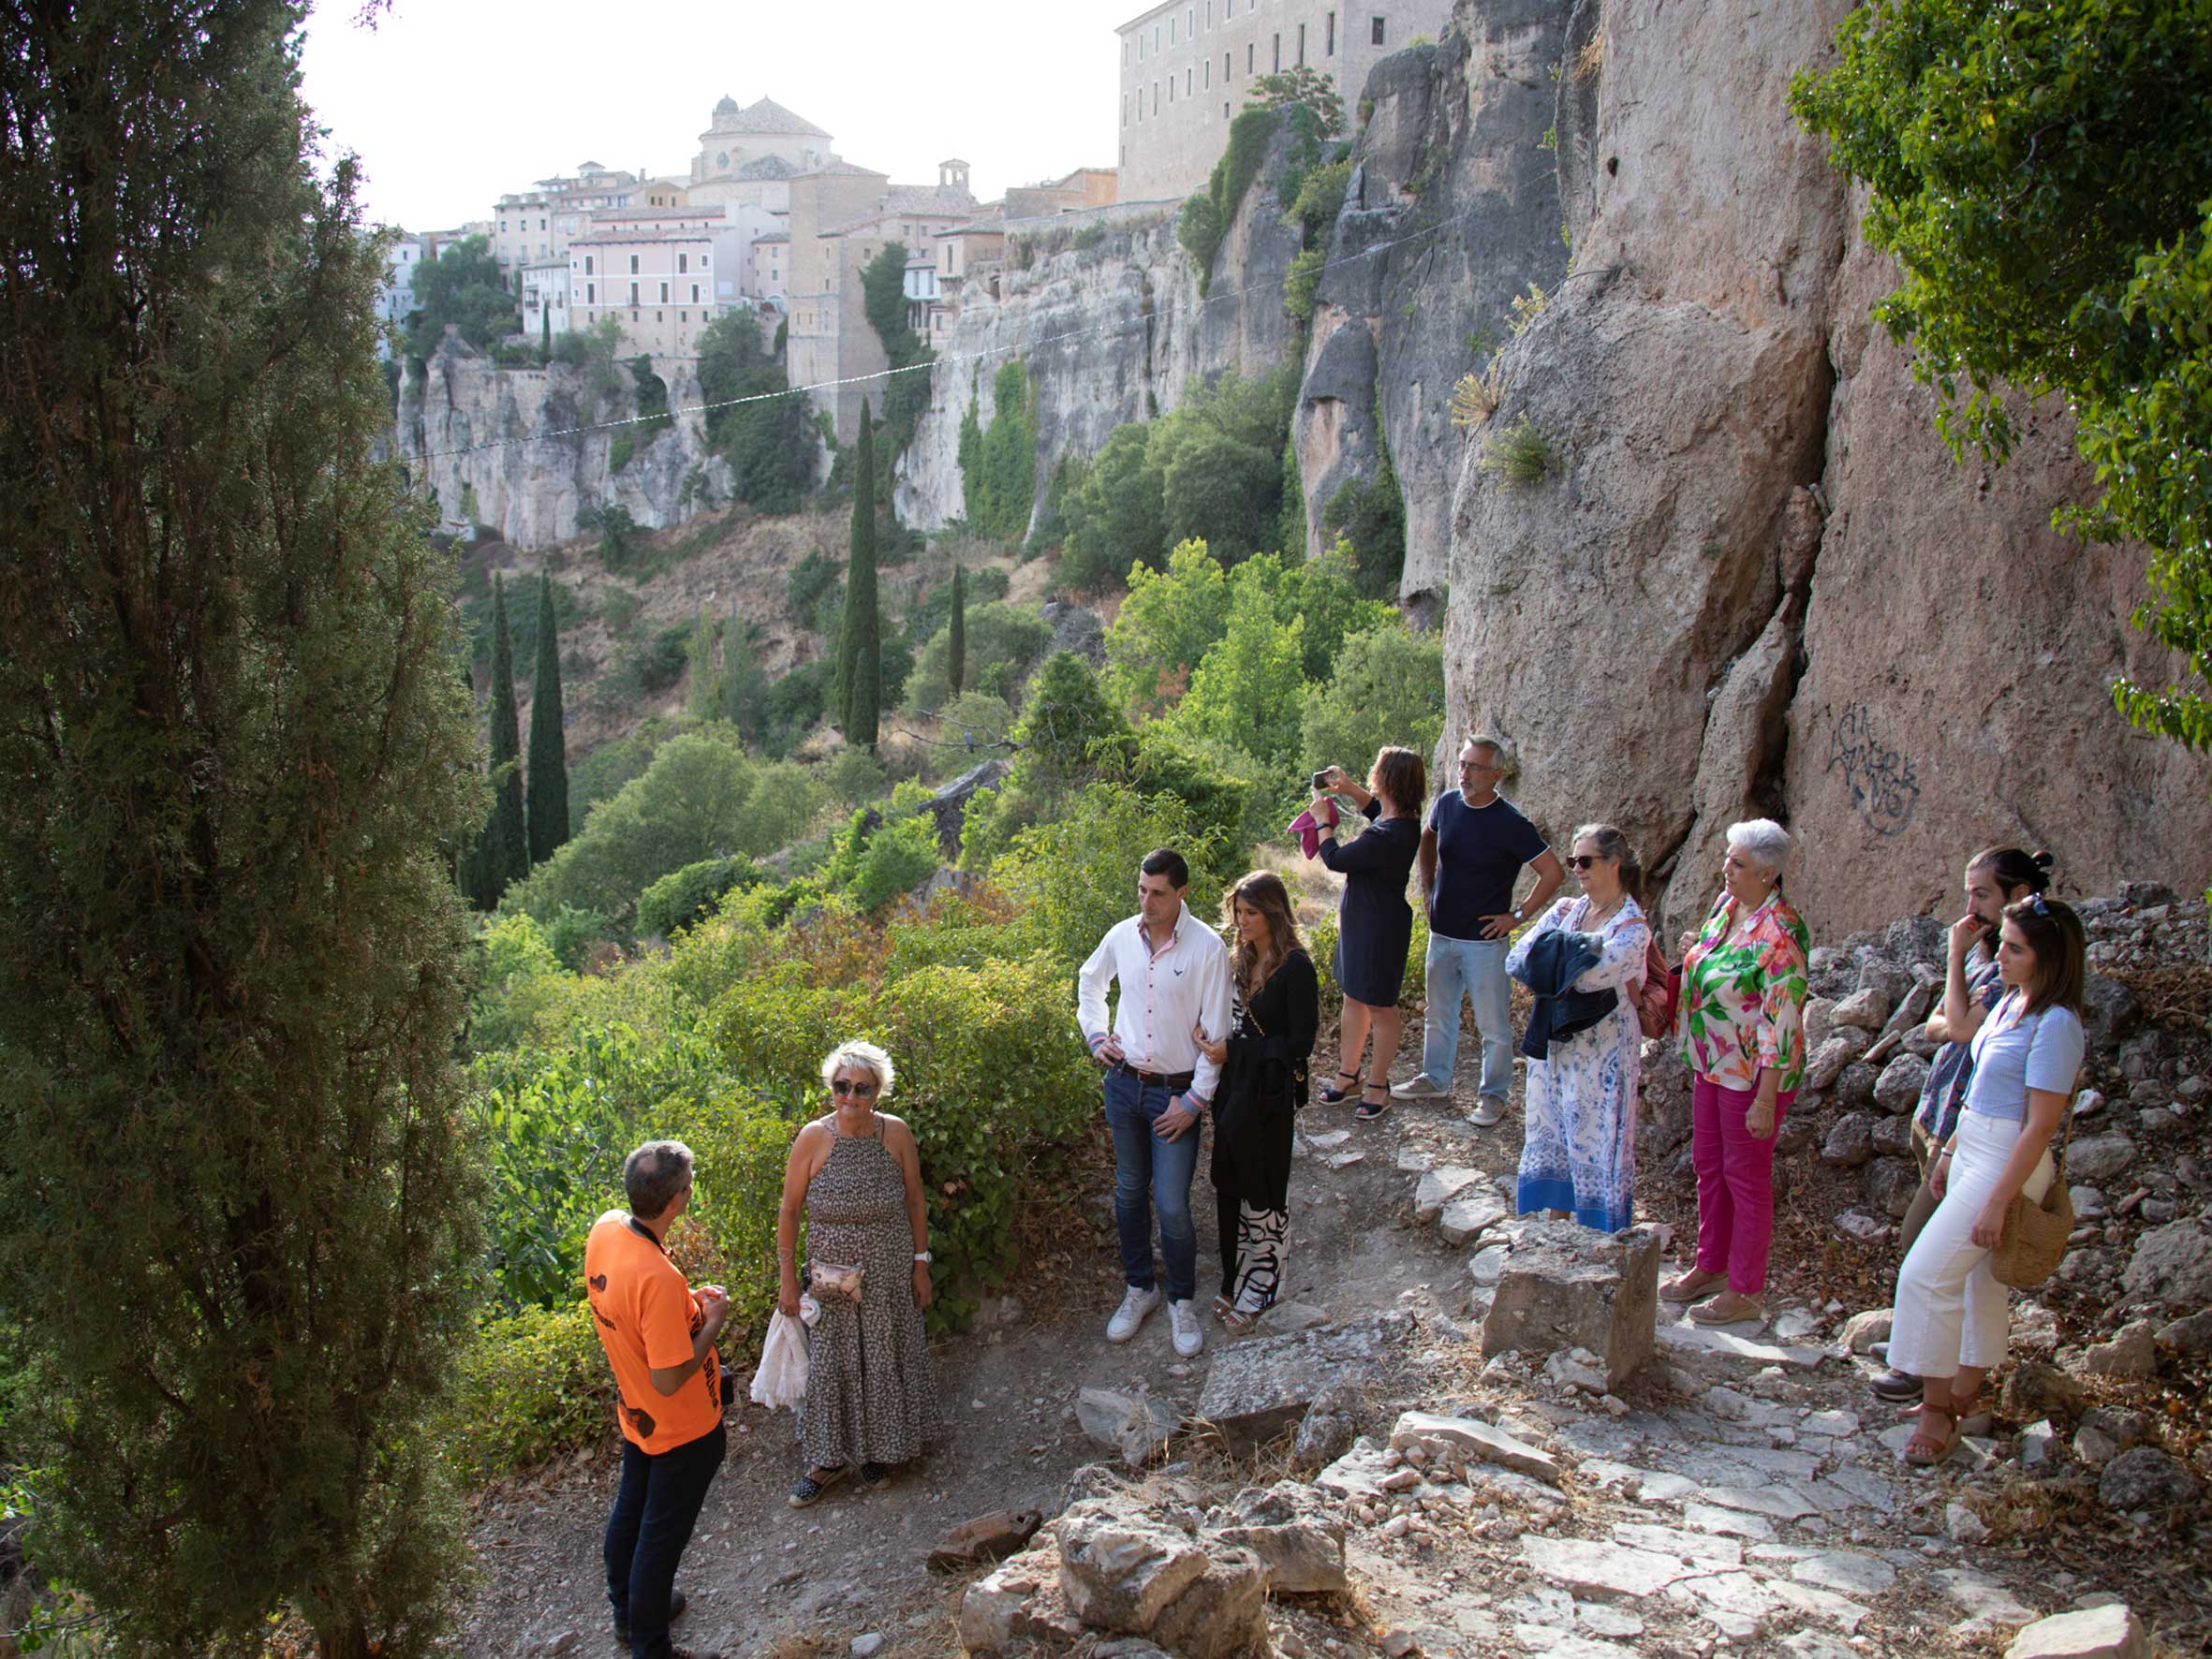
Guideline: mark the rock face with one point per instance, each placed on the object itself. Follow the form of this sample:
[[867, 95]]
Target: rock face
[[1109, 333], [460, 433], [1459, 202], [1730, 594], [1565, 1286]]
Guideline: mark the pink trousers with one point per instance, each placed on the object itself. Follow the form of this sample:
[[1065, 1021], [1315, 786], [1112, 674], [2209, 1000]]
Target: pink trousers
[[1735, 1184]]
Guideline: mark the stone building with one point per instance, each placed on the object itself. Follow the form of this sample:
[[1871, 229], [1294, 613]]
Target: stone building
[[395, 293], [842, 216], [654, 274], [536, 224], [1185, 66]]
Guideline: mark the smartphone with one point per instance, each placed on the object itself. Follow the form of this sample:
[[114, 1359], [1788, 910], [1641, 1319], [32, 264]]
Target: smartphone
[[1320, 779]]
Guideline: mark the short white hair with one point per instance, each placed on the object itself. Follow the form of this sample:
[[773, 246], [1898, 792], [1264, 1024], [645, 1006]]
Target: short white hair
[[860, 1056], [1500, 747], [1765, 843]]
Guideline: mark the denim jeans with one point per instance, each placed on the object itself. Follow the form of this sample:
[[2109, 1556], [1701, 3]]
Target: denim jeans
[[1152, 1174], [1474, 969], [655, 1509]]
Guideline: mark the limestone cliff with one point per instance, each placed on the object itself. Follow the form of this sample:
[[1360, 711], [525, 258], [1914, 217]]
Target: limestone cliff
[[1749, 579], [476, 433], [1109, 332]]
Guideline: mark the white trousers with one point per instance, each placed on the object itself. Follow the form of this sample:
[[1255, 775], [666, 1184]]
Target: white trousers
[[1951, 1310]]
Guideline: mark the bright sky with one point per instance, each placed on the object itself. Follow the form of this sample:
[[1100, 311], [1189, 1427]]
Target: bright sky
[[451, 104]]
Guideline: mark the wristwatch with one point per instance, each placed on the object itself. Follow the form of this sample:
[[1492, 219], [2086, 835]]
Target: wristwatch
[[1517, 915], [921, 1255]]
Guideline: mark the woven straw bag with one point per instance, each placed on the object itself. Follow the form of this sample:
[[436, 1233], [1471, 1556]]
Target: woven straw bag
[[2033, 1242]]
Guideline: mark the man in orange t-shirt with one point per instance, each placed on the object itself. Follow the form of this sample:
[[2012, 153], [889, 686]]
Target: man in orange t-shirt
[[660, 1336]]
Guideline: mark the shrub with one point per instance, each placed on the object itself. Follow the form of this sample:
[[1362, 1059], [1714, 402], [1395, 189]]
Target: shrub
[[999, 634], [1303, 279], [1116, 519], [1367, 517], [1474, 399], [1168, 624], [812, 580], [1246, 692], [528, 1387], [1201, 228], [1388, 688], [686, 896], [572, 932], [999, 463], [878, 860], [1520, 455]]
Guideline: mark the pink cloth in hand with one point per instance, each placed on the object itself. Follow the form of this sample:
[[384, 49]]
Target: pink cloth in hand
[[1307, 830]]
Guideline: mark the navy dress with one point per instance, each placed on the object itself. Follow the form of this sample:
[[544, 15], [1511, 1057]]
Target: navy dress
[[1373, 923]]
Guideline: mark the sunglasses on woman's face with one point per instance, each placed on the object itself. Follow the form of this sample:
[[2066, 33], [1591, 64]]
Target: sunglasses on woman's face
[[846, 1086], [1583, 860]]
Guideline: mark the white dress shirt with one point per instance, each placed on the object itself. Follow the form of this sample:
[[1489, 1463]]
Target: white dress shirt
[[1166, 987]]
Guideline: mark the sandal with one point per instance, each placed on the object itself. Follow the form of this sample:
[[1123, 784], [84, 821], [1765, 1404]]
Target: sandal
[[1223, 1307], [1235, 1320], [1925, 1450], [1330, 1095], [1369, 1111], [875, 1476], [813, 1484]]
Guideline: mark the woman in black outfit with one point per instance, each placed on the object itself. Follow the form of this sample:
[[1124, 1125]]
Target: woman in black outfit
[[1263, 1069], [1375, 924]]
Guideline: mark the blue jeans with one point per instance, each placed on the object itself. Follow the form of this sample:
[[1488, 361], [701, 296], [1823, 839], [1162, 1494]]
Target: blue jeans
[[1151, 1174], [1474, 969], [655, 1509]]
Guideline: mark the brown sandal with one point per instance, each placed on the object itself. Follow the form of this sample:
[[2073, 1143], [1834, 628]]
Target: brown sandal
[[1927, 1451]]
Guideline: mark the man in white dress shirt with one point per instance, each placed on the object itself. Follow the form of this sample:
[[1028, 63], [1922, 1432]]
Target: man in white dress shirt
[[1174, 980]]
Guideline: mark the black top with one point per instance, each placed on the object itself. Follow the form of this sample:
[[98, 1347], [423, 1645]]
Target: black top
[[1373, 923], [1262, 1085], [1480, 852]]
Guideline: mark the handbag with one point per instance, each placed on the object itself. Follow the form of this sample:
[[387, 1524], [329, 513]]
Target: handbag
[[831, 1279], [2033, 1242], [780, 1378], [1658, 993]]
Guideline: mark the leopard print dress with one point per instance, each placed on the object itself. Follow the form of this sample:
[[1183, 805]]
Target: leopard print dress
[[871, 1394]]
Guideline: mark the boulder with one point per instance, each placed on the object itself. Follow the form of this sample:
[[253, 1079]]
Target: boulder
[[1120, 1569], [2145, 1479], [1257, 1387], [2172, 1264], [1893, 1137], [948, 807], [1837, 1050], [988, 1537], [1889, 1185], [2034, 1389], [1471, 1438], [2109, 1011], [1018, 1603], [1866, 1008], [1896, 1090], [2110, 1632], [1222, 1615], [1302, 1557], [2131, 1353], [1820, 1021], [1325, 1432], [1854, 1089], [1850, 1141], [2097, 1158], [2191, 1334], [1565, 1286], [1469, 1217]]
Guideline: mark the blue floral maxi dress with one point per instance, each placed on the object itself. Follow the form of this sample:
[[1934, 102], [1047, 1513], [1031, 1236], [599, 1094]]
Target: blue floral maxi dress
[[1578, 1147]]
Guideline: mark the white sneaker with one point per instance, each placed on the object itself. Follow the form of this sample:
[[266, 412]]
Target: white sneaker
[[1488, 1114], [1134, 1307], [1419, 1088], [1183, 1321]]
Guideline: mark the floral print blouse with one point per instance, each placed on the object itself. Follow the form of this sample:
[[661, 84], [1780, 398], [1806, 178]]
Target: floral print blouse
[[1743, 1004]]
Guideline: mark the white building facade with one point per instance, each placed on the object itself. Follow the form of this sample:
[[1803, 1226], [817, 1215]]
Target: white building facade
[[545, 299]]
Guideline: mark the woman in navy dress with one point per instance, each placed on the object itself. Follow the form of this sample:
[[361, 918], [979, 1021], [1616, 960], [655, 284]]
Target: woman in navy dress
[[1374, 922]]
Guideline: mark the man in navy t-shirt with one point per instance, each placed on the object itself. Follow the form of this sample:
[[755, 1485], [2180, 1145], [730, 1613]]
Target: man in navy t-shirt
[[1472, 851]]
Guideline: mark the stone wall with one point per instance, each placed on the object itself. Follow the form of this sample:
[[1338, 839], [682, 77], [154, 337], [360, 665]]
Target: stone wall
[[1752, 581]]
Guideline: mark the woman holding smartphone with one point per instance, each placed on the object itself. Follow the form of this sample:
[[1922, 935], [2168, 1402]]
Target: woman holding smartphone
[[1374, 923]]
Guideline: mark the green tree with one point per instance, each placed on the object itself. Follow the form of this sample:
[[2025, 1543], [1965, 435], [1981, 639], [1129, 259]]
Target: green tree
[[956, 635], [1116, 519], [999, 463], [1388, 688], [1300, 85], [905, 389], [769, 439], [545, 334], [616, 530], [859, 645], [705, 691], [549, 760], [2040, 174], [1168, 624], [463, 287], [234, 1204], [1247, 692], [507, 835]]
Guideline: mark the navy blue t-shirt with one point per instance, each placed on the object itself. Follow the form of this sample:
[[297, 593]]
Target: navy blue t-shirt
[[1479, 855]]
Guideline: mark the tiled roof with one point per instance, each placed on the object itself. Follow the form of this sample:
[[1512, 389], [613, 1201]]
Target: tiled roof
[[671, 233], [767, 166], [766, 116]]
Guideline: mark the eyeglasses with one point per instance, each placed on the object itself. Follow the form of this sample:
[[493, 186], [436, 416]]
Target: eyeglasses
[[1583, 860], [846, 1086], [2035, 903]]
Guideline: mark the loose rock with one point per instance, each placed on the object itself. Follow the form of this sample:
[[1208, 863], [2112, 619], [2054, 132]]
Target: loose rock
[[2110, 1632], [1565, 1286], [1850, 1141], [2144, 1478]]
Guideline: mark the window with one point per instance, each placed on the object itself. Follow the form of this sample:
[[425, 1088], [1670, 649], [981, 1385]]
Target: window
[[1278, 55], [695, 293], [682, 262], [706, 261], [587, 265], [633, 264], [683, 317], [1209, 73], [1187, 74], [1330, 50], [591, 293], [541, 224], [662, 317], [1302, 45], [1124, 109], [1251, 50], [1375, 32], [1209, 13], [1156, 41], [1171, 89], [1156, 97], [1140, 47], [1225, 68], [633, 293], [1171, 31], [1225, 112], [1190, 22]]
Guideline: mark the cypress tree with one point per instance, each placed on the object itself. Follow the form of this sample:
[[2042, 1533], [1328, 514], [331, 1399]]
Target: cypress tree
[[549, 759], [545, 333], [859, 645], [236, 1208], [507, 855], [956, 634]]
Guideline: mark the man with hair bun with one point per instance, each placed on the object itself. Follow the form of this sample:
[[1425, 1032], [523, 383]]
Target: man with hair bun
[[660, 1336]]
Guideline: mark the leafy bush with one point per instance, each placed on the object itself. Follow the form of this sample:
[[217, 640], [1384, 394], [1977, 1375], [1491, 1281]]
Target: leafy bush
[[463, 285], [572, 932], [1201, 228], [684, 896], [855, 776], [1367, 517], [520, 977], [644, 667], [1521, 455], [1388, 688], [530, 1386], [618, 533], [769, 440], [998, 635], [998, 464], [1115, 518], [1302, 281], [1246, 692], [878, 860], [812, 580], [602, 772]]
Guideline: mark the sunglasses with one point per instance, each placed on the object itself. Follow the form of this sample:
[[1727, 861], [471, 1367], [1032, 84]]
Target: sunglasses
[[1583, 860], [846, 1086]]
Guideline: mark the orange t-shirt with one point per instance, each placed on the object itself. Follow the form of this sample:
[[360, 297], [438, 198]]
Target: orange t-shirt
[[646, 1317]]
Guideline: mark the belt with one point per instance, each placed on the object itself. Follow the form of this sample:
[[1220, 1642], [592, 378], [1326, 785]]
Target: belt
[[1174, 1081]]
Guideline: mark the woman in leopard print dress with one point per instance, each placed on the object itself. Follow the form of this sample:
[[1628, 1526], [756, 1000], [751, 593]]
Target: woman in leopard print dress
[[855, 1175]]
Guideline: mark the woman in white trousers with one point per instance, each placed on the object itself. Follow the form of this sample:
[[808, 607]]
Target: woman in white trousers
[[1952, 1319]]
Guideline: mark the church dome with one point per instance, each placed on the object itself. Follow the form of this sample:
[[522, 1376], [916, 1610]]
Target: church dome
[[727, 107]]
